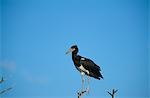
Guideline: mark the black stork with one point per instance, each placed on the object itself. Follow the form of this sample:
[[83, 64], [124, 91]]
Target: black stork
[[85, 66]]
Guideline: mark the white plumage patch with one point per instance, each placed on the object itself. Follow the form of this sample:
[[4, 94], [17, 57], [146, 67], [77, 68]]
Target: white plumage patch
[[83, 69], [82, 73], [82, 58]]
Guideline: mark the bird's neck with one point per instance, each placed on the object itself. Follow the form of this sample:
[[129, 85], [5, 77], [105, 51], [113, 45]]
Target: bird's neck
[[74, 56], [76, 59]]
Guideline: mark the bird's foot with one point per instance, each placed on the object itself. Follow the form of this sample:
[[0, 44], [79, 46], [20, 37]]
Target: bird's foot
[[88, 90]]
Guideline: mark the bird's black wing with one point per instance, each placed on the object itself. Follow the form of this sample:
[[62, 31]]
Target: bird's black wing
[[94, 70], [89, 64]]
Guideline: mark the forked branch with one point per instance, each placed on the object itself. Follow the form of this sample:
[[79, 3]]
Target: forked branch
[[112, 94]]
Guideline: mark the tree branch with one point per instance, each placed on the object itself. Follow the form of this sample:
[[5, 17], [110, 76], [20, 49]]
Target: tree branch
[[113, 93], [2, 80], [5, 90]]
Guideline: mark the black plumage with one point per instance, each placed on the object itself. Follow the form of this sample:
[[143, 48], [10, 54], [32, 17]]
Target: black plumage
[[94, 70]]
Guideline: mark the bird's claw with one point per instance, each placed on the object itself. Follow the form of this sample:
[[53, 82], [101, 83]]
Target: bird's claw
[[88, 90]]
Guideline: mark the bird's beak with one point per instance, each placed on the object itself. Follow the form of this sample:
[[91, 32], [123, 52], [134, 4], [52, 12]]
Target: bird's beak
[[70, 50]]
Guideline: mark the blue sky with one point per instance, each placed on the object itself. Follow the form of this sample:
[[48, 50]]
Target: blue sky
[[37, 33]]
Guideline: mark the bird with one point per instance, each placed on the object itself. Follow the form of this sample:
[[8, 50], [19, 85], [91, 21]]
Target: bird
[[85, 66]]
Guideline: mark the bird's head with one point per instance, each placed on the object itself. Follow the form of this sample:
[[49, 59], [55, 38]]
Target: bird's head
[[73, 49]]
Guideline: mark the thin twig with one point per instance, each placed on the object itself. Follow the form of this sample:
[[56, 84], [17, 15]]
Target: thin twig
[[2, 80], [5, 90], [81, 93]]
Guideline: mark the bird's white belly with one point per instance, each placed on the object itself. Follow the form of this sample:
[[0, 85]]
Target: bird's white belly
[[82, 69]]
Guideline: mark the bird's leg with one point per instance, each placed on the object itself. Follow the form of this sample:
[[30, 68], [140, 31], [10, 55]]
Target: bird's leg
[[82, 83], [82, 74], [88, 89]]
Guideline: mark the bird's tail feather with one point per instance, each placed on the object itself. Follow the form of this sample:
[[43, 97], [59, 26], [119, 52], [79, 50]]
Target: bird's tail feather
[[96, 76]]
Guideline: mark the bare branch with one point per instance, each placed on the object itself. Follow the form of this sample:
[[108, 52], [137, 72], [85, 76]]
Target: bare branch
[[5, 90], [109, 93], [2, 80], [113, 93], [81, 93]]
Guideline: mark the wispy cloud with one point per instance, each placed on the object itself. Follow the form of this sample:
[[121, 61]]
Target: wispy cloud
[[8, 65], [24, 73], [34, 78]]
